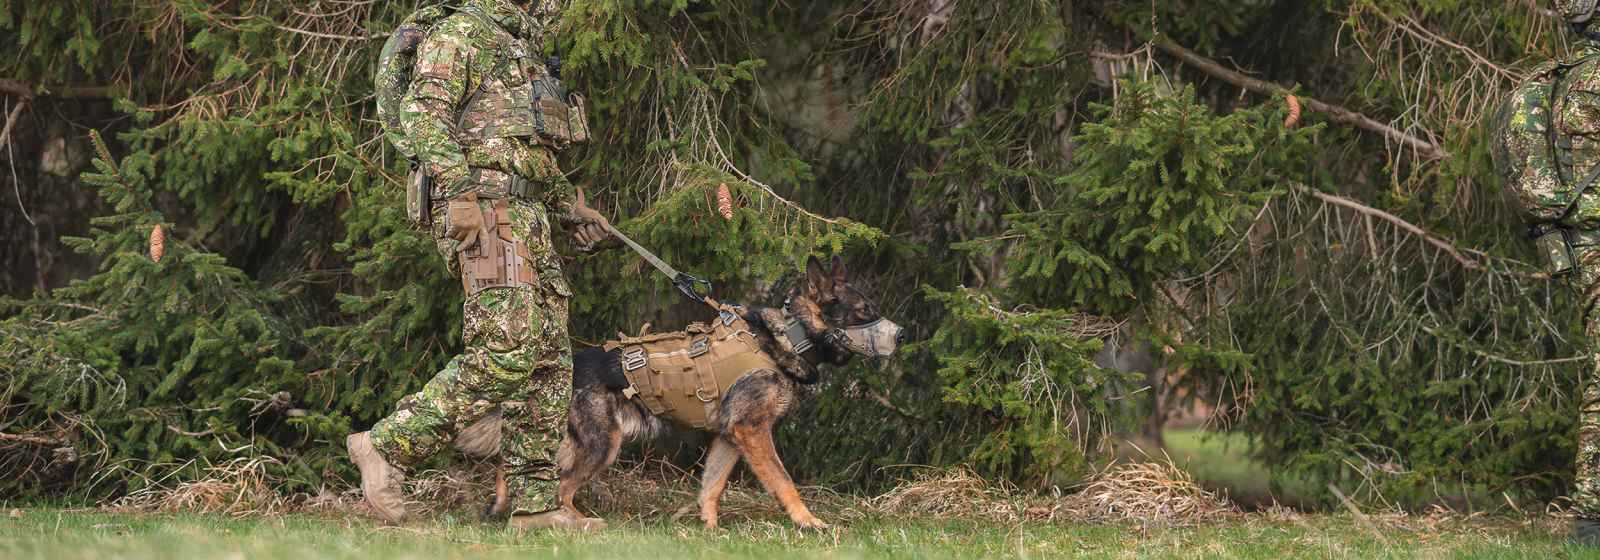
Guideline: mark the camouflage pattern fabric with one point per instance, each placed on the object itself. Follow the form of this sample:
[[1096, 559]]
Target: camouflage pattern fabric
[[1578, 116], [516, 354], [1521, 150], [517, 357], [1575, 10], [1586, 483], [486, 54], [1578, 121]]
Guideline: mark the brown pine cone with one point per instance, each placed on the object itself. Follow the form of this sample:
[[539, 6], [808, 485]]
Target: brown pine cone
[[158, 243], [724, 201]]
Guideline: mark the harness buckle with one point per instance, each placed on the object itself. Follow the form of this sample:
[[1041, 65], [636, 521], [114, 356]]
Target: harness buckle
[[699, 347], [727, 317], [802, 346], [633, 359]]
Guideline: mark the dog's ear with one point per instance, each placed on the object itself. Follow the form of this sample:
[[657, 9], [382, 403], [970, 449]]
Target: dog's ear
[[840, 276], [817, 279]]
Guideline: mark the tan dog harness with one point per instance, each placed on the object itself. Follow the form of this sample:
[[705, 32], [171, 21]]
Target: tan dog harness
[[684, 375]]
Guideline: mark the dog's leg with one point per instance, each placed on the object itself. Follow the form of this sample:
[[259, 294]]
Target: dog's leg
[[594, 437], [720, 460], [755, 442], [502, 494]]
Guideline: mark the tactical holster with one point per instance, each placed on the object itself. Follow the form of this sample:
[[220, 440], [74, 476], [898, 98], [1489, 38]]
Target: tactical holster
[[684, 375], [491, 254]]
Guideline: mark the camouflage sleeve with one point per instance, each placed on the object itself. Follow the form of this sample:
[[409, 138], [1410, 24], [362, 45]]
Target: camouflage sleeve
[[428, 111], [1580, 113]]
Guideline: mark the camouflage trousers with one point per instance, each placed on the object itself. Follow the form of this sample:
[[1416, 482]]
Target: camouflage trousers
[[1586, 483], [516, 358]]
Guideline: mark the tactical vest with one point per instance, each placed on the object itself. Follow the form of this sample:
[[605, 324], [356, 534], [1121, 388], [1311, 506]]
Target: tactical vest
[[683, 376], [521, 98]]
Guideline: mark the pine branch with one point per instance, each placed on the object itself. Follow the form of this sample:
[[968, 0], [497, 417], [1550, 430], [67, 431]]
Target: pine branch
[[1428, 150]]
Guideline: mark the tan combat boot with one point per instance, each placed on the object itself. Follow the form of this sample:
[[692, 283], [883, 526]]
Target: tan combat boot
[[380, 482], [558, 519]]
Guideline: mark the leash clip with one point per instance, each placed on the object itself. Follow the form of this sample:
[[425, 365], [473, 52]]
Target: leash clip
[[687, 283]]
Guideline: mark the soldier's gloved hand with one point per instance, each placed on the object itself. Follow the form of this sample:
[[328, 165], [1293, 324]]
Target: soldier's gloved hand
[[591, 228]]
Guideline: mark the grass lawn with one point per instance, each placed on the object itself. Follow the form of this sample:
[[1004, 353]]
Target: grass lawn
[[54, 533], [1221, 461]]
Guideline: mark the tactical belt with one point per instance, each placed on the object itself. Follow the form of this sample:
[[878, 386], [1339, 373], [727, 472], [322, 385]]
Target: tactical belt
[[683, 376], [493, 183]]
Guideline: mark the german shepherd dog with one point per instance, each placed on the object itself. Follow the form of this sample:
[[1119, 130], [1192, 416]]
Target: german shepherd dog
[[840, 321]]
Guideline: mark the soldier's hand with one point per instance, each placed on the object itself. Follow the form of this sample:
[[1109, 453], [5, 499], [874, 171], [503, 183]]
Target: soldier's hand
[[592, 229]]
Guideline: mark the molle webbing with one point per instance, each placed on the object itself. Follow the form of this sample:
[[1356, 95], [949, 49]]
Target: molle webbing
[[684, 375], [493, 183]]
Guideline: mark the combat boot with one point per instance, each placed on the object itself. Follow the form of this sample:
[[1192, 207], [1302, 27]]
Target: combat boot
[[380, 482], [1585, 532], [558, 519]]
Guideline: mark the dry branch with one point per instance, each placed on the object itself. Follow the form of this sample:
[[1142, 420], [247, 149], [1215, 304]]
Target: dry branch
[[33, 440], [1414, 229], [1428, 150], [26, 91]]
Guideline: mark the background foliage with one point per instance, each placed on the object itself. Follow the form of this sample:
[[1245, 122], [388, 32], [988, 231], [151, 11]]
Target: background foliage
[[1081, 230]]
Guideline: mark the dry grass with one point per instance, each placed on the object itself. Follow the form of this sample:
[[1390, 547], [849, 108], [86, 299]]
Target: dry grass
[[1143, 492], [240, 487], [1146, 492], [1140, 492], [948, 494]]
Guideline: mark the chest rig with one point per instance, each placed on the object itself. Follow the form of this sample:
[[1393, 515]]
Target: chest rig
[[683, 376], [521, 97]]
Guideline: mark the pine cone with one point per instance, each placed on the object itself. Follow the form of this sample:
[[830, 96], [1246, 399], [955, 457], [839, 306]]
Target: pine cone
[[1294, 112], [724, 201], [158, 243]]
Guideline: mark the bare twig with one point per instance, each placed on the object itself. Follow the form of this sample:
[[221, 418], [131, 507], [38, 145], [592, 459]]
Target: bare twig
[[1356, 511], [33, 440], [26, 91], [182, 432], [330, 35], [1409, 227], [1428, 150], [11, 119]]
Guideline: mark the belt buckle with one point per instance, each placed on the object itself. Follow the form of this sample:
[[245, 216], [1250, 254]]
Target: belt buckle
[[699, 347], [633, 359]]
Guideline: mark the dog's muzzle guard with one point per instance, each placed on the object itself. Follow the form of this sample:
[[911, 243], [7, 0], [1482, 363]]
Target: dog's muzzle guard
[[877, 339]]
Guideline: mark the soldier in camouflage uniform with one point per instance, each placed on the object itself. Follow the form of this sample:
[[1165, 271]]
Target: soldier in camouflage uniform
[[1576, 116], [468, 110]]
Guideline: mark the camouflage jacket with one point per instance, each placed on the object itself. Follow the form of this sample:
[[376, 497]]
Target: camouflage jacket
[[1578, 120], [469, 104]]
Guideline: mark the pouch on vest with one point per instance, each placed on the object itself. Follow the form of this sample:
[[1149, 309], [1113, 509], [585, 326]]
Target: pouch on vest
[[561, 119], [419, 197], [1556, 249]]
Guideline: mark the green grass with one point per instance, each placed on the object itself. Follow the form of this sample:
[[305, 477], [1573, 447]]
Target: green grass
[[1221, 461], [61, 534]]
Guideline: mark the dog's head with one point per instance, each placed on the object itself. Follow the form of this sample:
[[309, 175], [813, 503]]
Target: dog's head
[[851, 319]]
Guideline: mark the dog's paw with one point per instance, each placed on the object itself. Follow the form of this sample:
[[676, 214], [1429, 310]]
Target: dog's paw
[[810, 522]]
